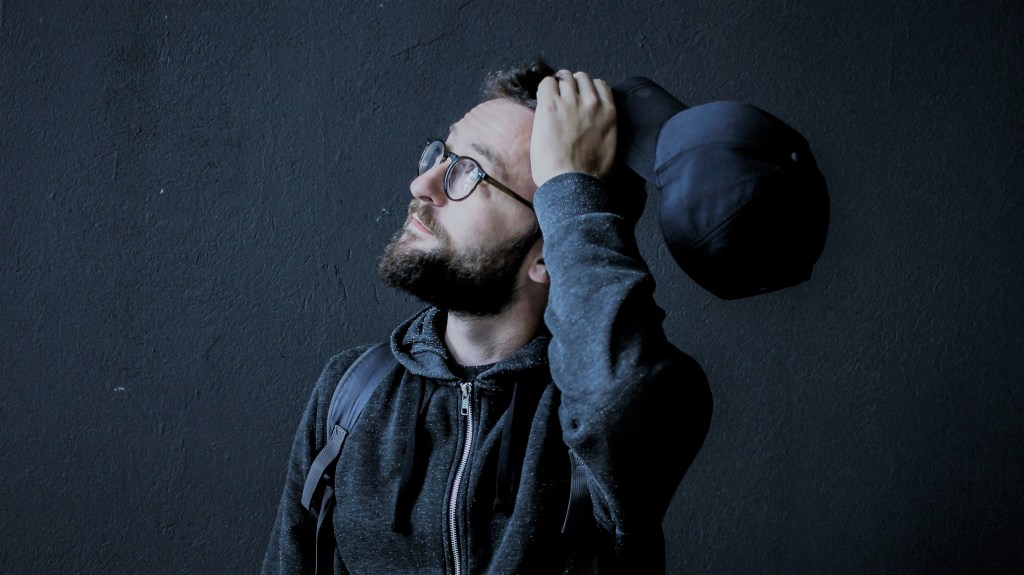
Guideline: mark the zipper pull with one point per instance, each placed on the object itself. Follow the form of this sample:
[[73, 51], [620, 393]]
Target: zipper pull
[[467, 388]]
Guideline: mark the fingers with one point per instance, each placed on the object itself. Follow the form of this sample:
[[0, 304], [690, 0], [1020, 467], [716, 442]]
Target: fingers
[[547, 90], [580, 87], [604, 92], [586, 88], [567, 88], [561, 85]]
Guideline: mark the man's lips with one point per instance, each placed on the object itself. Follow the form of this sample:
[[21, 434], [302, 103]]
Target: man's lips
[[416, 223]]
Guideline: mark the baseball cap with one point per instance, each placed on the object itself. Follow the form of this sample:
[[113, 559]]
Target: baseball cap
[[744, 209]]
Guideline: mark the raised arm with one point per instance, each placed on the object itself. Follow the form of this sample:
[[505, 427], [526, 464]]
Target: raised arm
[[634, 408]]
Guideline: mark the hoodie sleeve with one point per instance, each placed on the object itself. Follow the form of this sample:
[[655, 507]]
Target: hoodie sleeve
[[292, 546], [634, 408]]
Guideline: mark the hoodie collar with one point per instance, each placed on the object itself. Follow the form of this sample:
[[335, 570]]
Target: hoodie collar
[[419, 346]]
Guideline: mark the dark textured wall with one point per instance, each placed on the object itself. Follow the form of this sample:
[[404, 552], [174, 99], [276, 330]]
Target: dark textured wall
[[193, 195]]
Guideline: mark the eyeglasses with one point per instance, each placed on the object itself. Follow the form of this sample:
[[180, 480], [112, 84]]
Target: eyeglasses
[[462, 175]]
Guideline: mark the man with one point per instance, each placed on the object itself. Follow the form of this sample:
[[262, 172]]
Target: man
[[542, 343]]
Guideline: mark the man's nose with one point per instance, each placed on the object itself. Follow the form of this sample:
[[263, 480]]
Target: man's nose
[[429, 186]]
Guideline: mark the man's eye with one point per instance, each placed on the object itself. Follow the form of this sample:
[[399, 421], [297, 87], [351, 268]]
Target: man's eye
[[466, 168]]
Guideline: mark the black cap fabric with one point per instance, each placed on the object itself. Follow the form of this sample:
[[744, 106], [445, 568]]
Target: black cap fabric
[[744, 209]]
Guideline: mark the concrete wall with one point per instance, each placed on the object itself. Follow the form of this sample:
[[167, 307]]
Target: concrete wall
[[193, 195]]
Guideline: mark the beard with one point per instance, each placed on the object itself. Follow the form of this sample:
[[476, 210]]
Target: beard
[[479, 281]]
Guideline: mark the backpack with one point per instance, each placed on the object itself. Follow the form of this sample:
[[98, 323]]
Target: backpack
[[347, 403]]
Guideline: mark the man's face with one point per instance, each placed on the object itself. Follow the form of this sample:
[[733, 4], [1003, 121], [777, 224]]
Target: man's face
[[468, 256]]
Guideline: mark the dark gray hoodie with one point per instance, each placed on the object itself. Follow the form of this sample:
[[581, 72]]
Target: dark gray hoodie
[[443, 475]]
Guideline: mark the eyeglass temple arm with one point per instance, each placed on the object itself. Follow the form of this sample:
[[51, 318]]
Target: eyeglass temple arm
[[502, 188]]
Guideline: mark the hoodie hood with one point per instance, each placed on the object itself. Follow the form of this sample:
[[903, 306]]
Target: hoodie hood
[[419, 346]]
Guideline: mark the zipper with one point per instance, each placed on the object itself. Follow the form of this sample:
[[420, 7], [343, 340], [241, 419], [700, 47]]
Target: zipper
[[467, 412]]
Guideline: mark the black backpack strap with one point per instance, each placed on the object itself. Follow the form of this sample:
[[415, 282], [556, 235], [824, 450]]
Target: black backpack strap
[[347, 403]]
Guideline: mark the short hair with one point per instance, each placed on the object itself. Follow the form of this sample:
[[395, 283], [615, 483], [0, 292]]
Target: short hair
[[518, 83]]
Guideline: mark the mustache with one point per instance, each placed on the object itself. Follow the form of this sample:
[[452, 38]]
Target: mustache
[[426, 218]]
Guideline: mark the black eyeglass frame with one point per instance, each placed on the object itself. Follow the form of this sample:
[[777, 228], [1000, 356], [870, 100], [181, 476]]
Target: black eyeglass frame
[[447, 154]]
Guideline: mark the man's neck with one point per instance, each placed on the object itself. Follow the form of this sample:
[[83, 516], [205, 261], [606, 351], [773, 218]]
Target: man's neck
[[475, 340]]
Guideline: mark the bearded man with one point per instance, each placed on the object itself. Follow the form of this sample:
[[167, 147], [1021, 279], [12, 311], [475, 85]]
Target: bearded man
[[541, 354]]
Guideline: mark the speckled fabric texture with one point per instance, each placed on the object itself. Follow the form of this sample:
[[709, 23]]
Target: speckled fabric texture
[[604, 383]]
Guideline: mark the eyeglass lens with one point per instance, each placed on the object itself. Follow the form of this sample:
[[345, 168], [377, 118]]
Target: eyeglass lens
[[431, 156], [460, 178]]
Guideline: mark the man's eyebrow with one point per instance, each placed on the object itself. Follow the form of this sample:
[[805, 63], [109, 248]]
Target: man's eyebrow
[[484, 151], [491, 157]]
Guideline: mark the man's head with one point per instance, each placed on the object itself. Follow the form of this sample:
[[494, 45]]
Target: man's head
[[477, 254]]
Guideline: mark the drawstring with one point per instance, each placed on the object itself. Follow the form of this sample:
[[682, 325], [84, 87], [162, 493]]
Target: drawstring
[[401, 523]]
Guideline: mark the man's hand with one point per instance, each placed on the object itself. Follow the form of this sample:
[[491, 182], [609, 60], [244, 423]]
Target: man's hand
[[573, 128]]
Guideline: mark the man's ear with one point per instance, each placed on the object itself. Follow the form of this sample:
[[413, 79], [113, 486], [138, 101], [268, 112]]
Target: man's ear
[[537, 271]]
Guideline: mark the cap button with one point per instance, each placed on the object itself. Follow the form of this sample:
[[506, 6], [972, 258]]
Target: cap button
[[795, 157]]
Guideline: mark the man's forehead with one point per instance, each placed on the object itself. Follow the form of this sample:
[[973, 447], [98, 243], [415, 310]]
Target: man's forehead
[[495, 130]]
